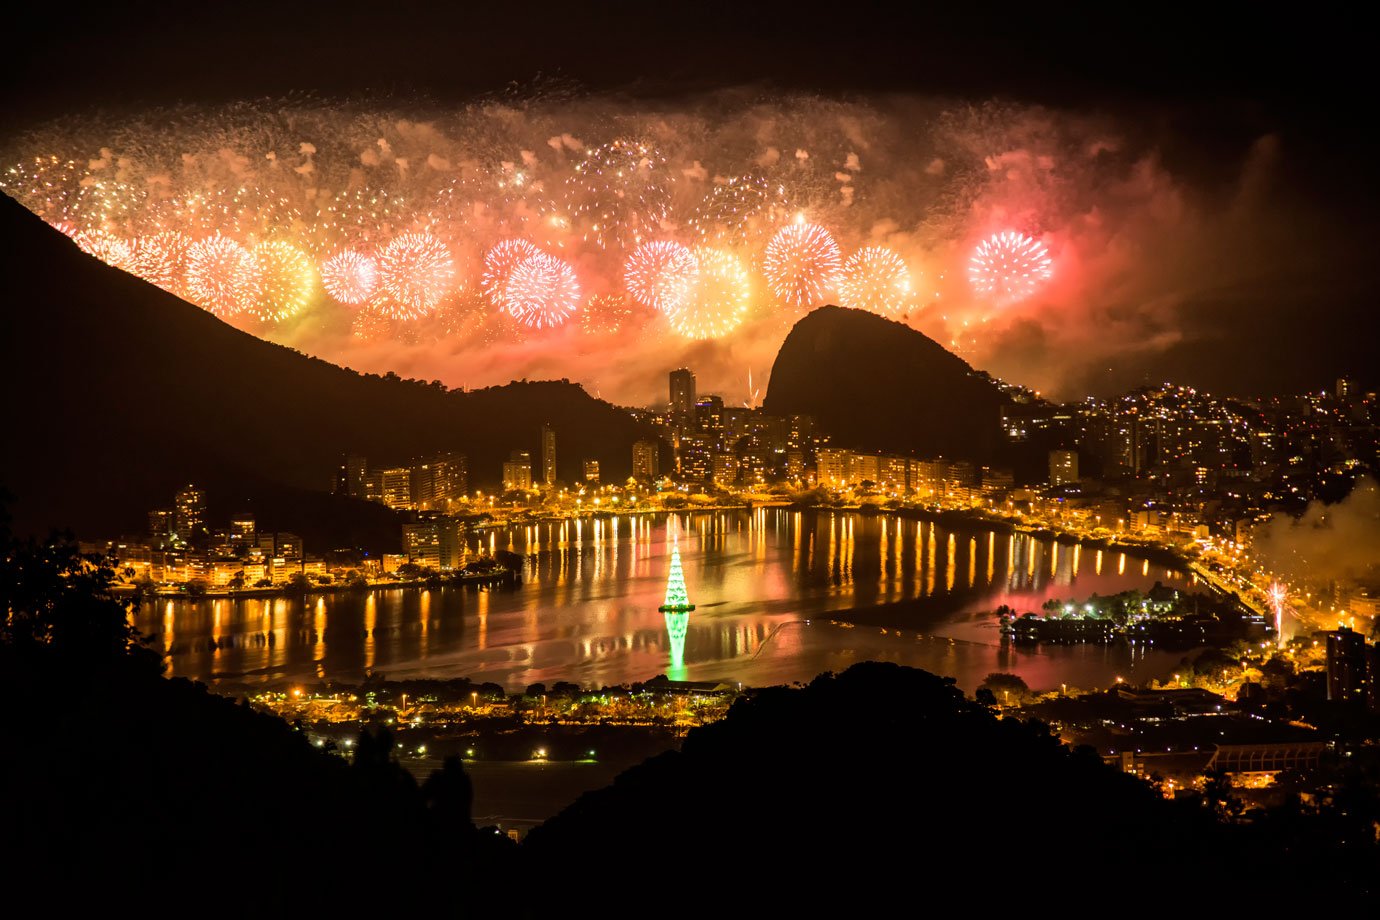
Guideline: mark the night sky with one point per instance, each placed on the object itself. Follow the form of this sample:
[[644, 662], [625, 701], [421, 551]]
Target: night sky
[[1258, 124]]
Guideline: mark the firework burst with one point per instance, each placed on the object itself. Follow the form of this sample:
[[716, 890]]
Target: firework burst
[[161, 259], [738, 209], [876, 279], [222, 276], [720, 299], [415, 272], [801, 264], [1009, 266], [108, 248], [350, 277], [660, 275], [286, 281], [620, 193], [499, 263], [606, 314], [542, 291]]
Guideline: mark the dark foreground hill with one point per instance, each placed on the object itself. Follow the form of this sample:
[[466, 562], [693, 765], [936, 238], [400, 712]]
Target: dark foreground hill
[[884, 786], [875, 384], [120, 786], [117, 393]]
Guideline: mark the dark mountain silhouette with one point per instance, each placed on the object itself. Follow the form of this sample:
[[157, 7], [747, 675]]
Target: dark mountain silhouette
[[118, 393], [877, 784], [875, 384]]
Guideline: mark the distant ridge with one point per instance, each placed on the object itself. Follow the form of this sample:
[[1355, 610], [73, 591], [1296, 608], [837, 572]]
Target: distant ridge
[[116, 393], [875, 384]]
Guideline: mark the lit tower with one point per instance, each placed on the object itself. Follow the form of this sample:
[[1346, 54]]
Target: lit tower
[[548, 456]]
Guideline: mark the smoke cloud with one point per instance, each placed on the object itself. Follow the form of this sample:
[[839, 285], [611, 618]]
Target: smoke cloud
[[1337, 542]]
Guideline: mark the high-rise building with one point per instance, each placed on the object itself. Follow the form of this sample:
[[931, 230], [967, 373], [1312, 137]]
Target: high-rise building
[[548, 456], [352, 479], [162, 523], [646, 465], [189, 513], [724, 468], [1348, 672], [517, 472], [440, 481], [709, 417], [592, 472], [1063, 467], [1343, 388], [682, 399], [242, 527], [396, 487]]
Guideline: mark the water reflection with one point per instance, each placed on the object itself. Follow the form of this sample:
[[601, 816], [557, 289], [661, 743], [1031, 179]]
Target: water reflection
[[588, 609]]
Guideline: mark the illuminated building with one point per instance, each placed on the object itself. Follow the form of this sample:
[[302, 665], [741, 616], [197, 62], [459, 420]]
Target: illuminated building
[[395, 487], [832, 466], [1063, 467], [863, 468], [287, 545], [996, 480], [1349, 662], [709, 417], [724, 468], [795, 465], [592, 472], [189, 513], [436, 544], [682, 399], [646, 464], [242, 527], [891, 473], [517, 472], [548, 456], [695, 455], [440, 481]]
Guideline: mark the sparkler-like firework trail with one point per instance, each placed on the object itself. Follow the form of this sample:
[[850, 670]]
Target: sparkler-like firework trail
[[1278, 595]]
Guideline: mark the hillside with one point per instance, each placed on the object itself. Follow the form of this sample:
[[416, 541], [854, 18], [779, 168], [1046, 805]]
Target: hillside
[[875, 384], [877, 783], [117, 393]]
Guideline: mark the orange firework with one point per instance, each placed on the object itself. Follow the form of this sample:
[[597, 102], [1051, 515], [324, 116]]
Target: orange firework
[[161, 259], [660, 275], [801, 264], [415, 272], [286, 280], [875, 278], [719, 302], [109, 249], [221, 276]]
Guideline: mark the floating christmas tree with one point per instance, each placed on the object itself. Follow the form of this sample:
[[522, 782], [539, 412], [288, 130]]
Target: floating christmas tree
[[677, 599]]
